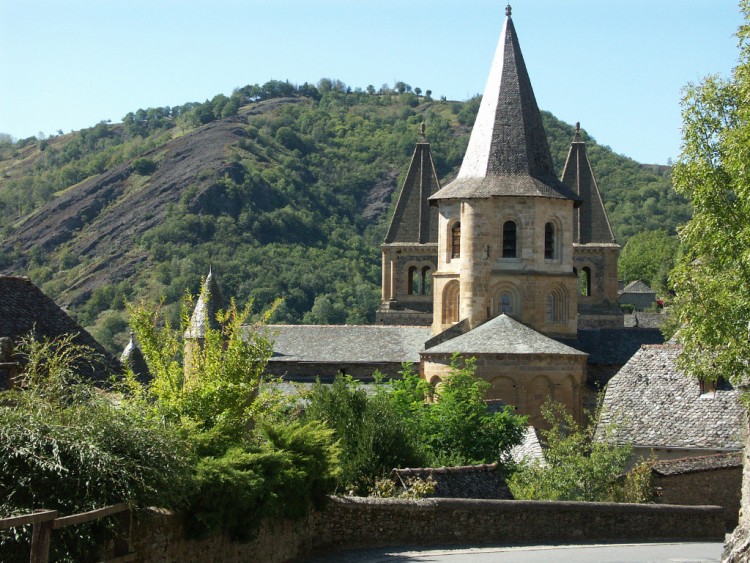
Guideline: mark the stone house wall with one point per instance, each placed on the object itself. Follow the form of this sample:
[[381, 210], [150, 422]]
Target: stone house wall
[[720, 487]]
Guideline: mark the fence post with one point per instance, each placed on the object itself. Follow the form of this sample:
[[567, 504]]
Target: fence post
[[40, 537]]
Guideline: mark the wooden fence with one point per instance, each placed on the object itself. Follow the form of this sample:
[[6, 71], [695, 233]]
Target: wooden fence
[[44, 521]]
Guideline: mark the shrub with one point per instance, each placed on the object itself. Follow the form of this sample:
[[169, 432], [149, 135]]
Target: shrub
[[578, 468], [284, 478], [144, 166], [69, 447]]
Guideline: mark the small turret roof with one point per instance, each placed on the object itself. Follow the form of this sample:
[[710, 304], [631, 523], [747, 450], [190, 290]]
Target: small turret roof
[[591, 224], [508, 153], [210, 302], [132, 357], [414, 221]]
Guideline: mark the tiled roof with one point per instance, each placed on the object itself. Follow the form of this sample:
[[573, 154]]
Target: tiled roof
[[468, 481], [645, 320], [24, 307], [637, 286], [614, 346], [210, 302], [654, 404], [414, 220], [699, 463], [508, 152], [530, 450], [503, 335], [347, 343], [132, 357], [592, 224]]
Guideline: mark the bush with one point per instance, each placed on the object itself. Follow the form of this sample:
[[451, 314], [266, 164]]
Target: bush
[[284, 478], [69, 447], [144, 166], [578, 468]]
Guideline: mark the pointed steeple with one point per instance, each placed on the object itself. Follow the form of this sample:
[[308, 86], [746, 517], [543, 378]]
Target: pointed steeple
[[132, 357], [209, 303], [591, 224], [508, 153], [414, 221]]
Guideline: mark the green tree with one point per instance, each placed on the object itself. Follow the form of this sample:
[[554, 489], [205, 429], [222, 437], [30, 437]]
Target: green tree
[[648, 256], [577, 467], [712, 277]]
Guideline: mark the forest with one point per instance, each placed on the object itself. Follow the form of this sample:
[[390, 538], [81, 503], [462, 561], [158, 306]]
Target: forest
[[294, 204]]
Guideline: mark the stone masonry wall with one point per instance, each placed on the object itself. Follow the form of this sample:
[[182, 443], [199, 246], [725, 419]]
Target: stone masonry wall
[[348, 523], [719, 486]]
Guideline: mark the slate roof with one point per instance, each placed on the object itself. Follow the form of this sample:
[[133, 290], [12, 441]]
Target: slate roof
[[347, 343], [637, 286], [467, 481], [591, 223], [653, 404], [645, 320], [695, 464], [614, 346], [24, 307], [530, 450], [132, 357], [414, 221], [503, 335], [508, 153], [210, 302]]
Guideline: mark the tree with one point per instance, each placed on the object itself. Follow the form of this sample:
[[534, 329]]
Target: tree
[[577, 467], [712, 277], [648, 256]]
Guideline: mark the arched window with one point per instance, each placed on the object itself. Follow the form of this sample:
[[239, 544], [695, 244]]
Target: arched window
[[556, 306], [456, 240], [426, 281], [584, 282], [509, 239], [549, 241], [451, 302], [413, 288]]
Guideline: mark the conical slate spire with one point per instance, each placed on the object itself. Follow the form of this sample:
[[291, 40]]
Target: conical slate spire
[[210, 302], [414, 221], [508, 153], [591, 224], [132, 357]]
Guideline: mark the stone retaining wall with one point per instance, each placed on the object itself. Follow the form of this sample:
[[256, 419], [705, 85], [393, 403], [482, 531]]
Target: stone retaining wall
[[354, 522]]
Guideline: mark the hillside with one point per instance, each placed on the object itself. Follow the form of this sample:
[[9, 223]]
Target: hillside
[[285, 191]]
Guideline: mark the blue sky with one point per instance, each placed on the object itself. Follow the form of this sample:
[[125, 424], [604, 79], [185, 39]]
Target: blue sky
[[617, 66]]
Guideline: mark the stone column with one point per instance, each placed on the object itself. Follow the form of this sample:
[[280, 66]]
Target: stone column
[[475, 264]]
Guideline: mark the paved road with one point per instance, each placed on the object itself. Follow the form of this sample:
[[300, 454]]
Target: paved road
[[607, 553]]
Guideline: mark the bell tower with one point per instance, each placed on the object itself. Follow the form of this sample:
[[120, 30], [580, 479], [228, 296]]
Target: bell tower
[[506, 223], [410, 248]]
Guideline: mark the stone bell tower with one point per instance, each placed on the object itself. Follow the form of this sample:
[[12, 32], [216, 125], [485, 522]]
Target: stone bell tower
[[410, 247], [506, 223], [595, 250]]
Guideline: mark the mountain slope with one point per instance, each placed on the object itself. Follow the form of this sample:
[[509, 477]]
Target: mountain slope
[[286, 197]]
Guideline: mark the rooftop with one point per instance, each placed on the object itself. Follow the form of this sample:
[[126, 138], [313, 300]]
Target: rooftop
[[503, 335], [508, 153], [347, 343], [654, 404]]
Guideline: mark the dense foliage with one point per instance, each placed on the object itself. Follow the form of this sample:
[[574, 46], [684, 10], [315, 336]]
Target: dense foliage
[[408, 423], [66, 446], [251, 461], [649, 256], [302, 209], [579, 468], [712, 277]]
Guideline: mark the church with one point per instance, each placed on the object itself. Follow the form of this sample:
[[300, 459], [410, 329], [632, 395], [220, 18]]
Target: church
[[508, 263]]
